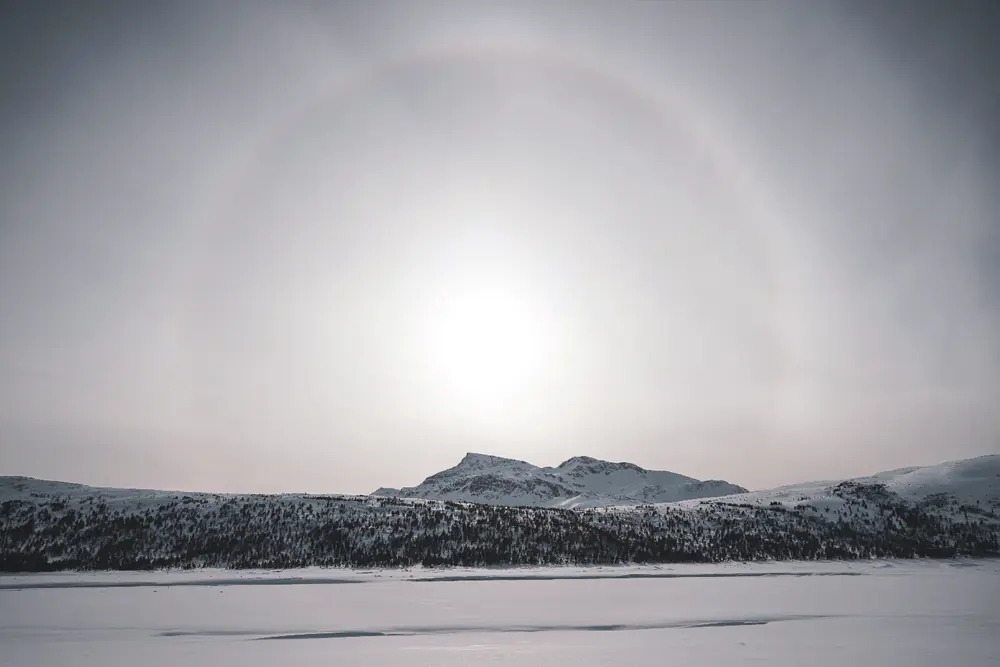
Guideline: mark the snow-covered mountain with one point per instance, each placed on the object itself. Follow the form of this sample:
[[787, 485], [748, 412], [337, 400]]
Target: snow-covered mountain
[[969, 483], [580, 482], [944, 510]]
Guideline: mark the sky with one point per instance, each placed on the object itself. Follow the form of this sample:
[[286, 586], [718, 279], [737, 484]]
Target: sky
[[328, 247]]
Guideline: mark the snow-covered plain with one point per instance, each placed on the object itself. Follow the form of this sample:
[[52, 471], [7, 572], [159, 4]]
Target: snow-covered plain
[[883, 613]]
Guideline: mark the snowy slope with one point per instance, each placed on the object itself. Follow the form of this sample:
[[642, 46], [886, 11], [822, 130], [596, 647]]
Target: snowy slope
[[580, 482], [16, 488], [938, 511], [969, 481], [955, 487]]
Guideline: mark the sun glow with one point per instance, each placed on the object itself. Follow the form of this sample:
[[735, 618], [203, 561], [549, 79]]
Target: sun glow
[[487, 347]]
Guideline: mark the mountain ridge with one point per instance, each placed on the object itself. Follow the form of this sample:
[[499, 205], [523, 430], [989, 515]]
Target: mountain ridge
[[577, 482], [951, 509]]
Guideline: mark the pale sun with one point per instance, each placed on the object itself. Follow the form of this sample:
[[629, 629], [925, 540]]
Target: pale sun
[[486, 347]]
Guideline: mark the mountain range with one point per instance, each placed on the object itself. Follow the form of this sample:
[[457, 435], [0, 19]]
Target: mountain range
[[579, 482], [945, 510]]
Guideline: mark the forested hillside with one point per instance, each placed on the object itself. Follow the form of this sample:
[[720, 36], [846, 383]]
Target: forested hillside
[[49, 526]]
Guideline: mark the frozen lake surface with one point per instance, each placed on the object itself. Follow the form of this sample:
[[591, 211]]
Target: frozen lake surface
[[880, 613]]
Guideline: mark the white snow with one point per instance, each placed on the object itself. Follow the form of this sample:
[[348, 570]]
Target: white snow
[[24, 488], [968, 481], [583, 482], [973, 481], [884, 613], [580, 482]]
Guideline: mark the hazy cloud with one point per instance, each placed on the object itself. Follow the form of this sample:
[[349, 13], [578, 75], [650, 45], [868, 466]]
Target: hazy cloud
[[751, 241]]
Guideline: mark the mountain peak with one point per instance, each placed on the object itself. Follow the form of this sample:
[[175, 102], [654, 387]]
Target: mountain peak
[[576, 460], [472, 457], [477, 460], [581, 481], [599, 464]]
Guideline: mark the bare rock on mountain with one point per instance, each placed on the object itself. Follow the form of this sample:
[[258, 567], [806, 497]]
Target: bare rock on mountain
[[581, 481]]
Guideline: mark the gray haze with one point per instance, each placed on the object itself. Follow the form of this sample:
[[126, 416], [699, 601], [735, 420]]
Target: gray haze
[[747, 240]]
